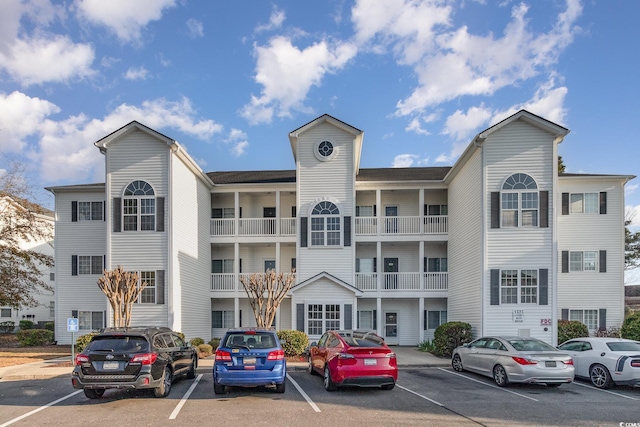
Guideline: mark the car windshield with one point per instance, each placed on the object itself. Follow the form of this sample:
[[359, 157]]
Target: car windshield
[[530, 345], [250, 340], [624, 346], [120, 343]]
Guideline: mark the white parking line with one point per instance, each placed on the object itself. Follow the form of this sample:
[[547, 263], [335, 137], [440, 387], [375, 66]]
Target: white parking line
[[184, 399], [301, 391], [419, 395], [489, 385], [604, 391], [21, 417]]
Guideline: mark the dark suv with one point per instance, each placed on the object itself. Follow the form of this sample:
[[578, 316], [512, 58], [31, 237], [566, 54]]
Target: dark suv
[[133, 358]]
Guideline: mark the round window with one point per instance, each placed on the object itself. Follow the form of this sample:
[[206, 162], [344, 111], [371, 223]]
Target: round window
[[324, 151]]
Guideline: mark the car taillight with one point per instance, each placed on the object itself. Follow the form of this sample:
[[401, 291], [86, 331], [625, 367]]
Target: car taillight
[[635, 363], [276, 355], [223, 355], [144, 358], [81, 358], [568, 362], [390, 355], [346, 356], [524, 361]]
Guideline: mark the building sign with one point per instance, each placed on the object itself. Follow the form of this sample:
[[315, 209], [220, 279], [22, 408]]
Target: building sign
[[518, 316], [545, 322]]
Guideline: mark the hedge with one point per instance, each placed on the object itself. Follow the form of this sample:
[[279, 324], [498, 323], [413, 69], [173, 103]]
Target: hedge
[[569, 329], [294, 343], [35, 337], [631, 327], [450, 335]]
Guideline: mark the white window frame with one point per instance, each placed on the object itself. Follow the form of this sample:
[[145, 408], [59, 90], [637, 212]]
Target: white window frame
[[519, 286], [226, 213], [87, 320], [325, 228], [583, 261], [364, 211], [148, 294], [365, 319], [442, 318], [589, 317], [518, 199], [4, 311], [584, 203], [138, 207], [322, 317], [227, 319], [226, 264], [90, 211], [86, 264]]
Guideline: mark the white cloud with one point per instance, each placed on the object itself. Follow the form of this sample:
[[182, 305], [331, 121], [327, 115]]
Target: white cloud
[[125, 18], [195, 28], [275, 21], [20, 117], [240, 148], [136, 73], [287, 73], [462, 126], [547, 102], [238, 141], [633, 213], [415, 126], [404, 160]]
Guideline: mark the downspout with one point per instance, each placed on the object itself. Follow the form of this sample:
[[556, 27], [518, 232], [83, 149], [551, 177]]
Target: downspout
[[478, 141], [169, 219]]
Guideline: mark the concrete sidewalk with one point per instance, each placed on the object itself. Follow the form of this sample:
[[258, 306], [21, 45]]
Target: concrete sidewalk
[[408, 357]]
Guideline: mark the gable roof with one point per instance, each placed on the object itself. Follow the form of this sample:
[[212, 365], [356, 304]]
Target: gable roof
[[325, 118], [325, 275]]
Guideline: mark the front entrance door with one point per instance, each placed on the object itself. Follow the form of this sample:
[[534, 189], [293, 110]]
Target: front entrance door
[[391, 327], [391, 270]]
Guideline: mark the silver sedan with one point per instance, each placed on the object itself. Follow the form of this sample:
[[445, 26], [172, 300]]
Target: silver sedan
[[514, 360]]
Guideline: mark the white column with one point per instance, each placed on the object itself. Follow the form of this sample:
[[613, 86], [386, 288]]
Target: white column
[[421, 319], [379, 316], [236, 312], [236, 212]]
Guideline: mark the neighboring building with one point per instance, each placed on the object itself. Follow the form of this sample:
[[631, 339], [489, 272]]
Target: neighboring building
[[45, 310], [499, 240]]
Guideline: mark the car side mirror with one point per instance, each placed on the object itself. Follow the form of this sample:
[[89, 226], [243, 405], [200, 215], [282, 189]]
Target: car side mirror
[[313, 344]]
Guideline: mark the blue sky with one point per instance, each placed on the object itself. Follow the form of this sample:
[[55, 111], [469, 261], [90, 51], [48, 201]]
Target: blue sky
[[230, 79]]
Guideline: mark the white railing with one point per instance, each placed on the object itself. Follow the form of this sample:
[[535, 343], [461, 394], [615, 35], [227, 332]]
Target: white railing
[[366, 225], [436, 224], [252, 227], [436, 281], [256, 226], [431, 224], [368, 282], [223, 281], [287, 226], [222, 227], [401, 281]]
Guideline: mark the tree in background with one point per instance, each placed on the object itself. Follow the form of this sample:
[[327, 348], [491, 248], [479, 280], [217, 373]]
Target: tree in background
[[631, 245], [266, 291], [122, 289], [22, 223], [561, 167]]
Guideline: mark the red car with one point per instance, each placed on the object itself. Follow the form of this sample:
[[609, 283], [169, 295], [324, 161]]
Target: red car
[[353, 358]]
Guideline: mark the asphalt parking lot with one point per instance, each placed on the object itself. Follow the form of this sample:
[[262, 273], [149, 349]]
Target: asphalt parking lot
[[425, 396]]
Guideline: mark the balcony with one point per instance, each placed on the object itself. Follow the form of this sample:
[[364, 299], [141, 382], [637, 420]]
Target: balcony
[[366, 282], [364, 226]]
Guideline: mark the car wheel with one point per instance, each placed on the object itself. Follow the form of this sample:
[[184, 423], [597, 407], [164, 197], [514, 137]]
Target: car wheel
[[328, 384], [93, 393], [165, 385], [600, 376], [280, 388], [191, 373], [218, 388], [388, 386], [456, 362], [500, 376], [310, 368]]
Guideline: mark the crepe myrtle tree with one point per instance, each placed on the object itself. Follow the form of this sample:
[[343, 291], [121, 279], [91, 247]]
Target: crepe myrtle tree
[[122, 289], [25, 228], [266, 291]]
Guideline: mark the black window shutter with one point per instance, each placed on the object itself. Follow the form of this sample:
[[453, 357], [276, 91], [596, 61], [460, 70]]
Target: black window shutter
[[74, 265], [544, 209], [117, 214], [240, 319], [348, 316], [160, 214], [603, 261], [159, 286], [347, 232], [424, 325], [602, 319], [565, 262], [544, 286], [293, 211], [74, 314], [565, 203], [375, 319], [565, 314], [74, 211], [495, 209], [374, 210], [375, 265], [603, 203], [104, 210], [240, 265], [495, 286], [303, 231], [300, 317]]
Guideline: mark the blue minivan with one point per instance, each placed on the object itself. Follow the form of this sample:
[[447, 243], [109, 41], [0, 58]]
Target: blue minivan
[[249, 357]]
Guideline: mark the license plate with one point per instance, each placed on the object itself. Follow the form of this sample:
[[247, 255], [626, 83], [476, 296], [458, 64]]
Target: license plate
[[370, 362], [550, 363], [249, 361], [110, 365]]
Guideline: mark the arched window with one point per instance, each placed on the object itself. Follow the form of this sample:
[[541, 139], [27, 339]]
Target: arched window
[[519, 203], [139, 207], [325, 224]]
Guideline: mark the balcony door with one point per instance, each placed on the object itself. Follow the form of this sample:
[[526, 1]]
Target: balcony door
[[391, 266], [391, 220]]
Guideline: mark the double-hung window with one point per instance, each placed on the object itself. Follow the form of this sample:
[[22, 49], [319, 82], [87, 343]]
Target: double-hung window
[[584, 203], [90, 320], [519, 201], [322, 317], [583, 261], [519, 287], [148, 294], [435, 318], [139, 207], [90, 211], [588, 317], [222, 319], [90, 264], [325, 225]]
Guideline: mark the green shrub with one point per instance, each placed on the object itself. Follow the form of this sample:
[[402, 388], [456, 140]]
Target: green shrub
[[49, 326], [26, 324], [205, 349], [214, 343], [196, 341], [83, 340], [609, 332], [7, 326], [427, 346], [181, 335], [34, 337], [449, 336], [294, 343], [569, 329], [631, 327]]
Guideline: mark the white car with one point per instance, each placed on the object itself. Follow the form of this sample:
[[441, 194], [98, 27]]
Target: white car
[[605, 361]]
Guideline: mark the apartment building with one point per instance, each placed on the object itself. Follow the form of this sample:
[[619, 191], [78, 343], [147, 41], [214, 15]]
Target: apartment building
[[500, 239]]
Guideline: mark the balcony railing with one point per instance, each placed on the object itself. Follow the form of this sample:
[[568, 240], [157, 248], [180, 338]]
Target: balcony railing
[[364, 226]]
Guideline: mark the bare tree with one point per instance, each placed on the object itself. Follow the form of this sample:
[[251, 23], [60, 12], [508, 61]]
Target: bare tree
[[631, 244], [122, 289], [266, 291], [23, 226]]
